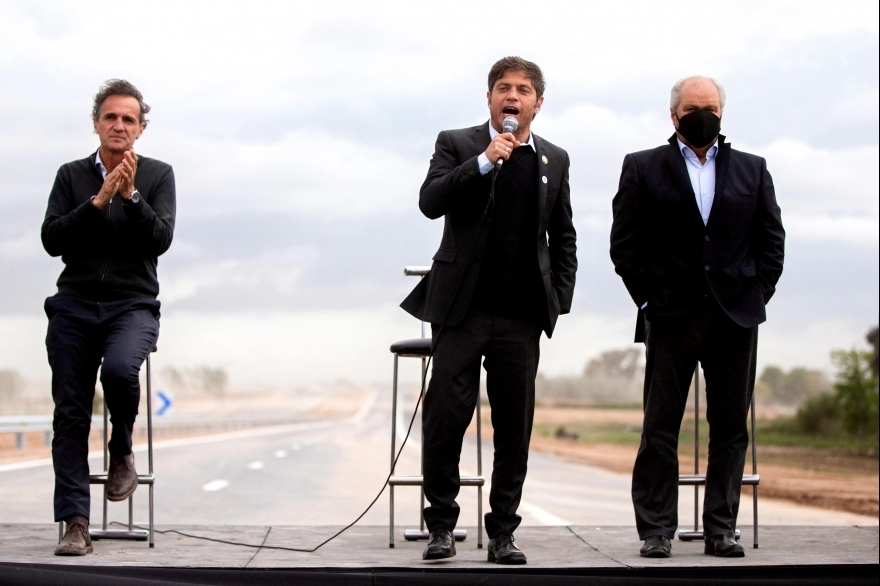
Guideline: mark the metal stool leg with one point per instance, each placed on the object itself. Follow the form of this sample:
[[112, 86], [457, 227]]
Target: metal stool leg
[[106, 460], [393, 452], [697, 446], [754, 472], [150, 447], [421, 469], [479, 473]]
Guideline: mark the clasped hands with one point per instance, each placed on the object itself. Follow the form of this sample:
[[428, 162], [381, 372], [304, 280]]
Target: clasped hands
[[120, 180]]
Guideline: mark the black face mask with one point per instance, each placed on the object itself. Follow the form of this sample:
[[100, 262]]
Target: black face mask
[[699, 127]]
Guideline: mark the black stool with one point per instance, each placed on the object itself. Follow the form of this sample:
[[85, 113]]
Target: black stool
[[421, 348]]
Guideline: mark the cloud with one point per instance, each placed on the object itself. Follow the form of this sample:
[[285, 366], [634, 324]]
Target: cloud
[[300, 134]]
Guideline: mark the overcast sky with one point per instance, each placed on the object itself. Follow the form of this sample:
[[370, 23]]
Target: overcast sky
[[300, 134]]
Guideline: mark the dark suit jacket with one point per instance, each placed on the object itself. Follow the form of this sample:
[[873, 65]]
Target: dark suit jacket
[[666, 255], [455, 190]]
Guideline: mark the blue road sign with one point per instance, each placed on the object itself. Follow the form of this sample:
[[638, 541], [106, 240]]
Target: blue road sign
[[166, 403]]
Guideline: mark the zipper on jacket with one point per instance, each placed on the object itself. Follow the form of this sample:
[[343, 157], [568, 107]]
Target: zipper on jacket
[[109, 253]]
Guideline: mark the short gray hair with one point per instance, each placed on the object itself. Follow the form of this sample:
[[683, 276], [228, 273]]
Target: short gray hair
[[675, 94], [119, 87]]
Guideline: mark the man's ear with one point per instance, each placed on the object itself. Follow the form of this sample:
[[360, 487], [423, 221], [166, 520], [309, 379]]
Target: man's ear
[[674, 118]]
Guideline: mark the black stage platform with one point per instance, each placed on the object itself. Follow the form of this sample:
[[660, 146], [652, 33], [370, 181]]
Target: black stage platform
[[557, 555]]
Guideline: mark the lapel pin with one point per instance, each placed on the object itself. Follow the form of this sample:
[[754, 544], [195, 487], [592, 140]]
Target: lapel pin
[[544, 158], [544, 179]]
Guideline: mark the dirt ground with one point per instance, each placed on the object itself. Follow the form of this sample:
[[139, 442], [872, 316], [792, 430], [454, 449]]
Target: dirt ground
[[807, 476]]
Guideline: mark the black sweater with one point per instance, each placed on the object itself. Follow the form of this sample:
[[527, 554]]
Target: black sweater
[[509, 281], [109, 254]]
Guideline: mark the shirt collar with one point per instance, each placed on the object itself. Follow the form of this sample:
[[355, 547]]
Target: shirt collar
[[531, 142], [100, 164], [685, 149]]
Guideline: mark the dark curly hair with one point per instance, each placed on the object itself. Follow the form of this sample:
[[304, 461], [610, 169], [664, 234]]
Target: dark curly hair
[[532, 71], [119, 87]]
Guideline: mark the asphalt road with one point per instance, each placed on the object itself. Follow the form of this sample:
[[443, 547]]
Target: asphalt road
[[327, 472]]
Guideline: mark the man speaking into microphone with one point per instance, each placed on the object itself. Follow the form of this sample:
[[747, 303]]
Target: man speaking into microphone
[[504, 272]]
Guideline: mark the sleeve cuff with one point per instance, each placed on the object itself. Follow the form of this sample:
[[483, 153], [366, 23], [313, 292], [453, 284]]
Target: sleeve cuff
[[484, 164]]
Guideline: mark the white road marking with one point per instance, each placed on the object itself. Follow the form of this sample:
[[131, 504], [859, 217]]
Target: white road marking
[[280, 454], [215, 485], [542, 516], [257, 465], [25, 465]]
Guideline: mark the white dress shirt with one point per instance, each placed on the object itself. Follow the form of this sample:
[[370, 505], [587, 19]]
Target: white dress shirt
[[483, 160], [100, 164], [702, 177]]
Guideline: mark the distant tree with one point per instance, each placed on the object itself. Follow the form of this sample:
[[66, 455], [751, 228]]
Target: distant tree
[[624, 363], [211, 380], [856, 390], [200, 379], [801, 383], [794, 387], [773, 377], [174, 378], [872, 338]]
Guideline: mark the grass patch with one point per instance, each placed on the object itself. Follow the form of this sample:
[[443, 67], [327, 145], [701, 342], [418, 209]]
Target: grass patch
[[778, 432], [592, 433], [785, 432]]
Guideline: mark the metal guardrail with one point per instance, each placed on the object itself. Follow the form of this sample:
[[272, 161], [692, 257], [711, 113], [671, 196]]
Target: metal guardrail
[[196, 423]]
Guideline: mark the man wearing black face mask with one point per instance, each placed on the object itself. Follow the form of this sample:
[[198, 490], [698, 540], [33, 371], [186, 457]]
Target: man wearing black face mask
[[698, 241]]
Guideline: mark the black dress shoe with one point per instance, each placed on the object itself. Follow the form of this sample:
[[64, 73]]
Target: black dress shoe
[[656, 546], [723, 547], [503, 550], [441, 544]]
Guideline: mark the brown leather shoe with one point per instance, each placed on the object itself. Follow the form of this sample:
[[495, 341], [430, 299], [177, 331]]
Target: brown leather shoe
[[76, 540], [121, 478]]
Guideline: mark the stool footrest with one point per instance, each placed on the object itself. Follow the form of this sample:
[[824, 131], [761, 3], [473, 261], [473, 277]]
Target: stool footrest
[[424, 534], [700, 479], [697, 535], [134, 535], [102, 478], [419, 481]]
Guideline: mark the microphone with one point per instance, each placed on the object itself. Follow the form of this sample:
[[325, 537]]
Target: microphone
[[509, 125]]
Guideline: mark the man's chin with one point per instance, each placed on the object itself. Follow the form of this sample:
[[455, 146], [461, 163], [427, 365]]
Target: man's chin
[[116, 147]]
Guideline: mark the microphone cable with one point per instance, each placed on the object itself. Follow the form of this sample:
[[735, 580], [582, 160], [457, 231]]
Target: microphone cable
[[412, 420]]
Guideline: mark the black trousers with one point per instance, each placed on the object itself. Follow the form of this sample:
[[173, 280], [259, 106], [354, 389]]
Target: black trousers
[[511, 349], [727, 353], [82, 333]]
